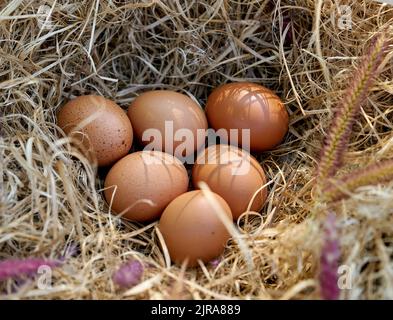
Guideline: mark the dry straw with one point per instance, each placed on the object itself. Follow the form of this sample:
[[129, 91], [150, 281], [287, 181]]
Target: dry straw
[[49, 199]]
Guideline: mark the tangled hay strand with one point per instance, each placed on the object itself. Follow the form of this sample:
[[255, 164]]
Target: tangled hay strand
[[118, 49]]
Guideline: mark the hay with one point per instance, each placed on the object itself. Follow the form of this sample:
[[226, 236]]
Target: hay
[[118, 49]]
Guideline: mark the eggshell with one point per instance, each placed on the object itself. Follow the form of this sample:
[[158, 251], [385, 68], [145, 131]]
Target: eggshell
[[145, 182], [192, 229], [245, 105], [153, 108], [233, 174], [100, 124]]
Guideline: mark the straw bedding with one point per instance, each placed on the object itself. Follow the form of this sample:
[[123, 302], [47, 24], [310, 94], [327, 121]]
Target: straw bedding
[[51, 195]]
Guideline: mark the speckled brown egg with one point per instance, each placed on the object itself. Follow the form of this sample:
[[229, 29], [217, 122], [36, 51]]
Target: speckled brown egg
[[233, 174], [100, 124], [140, 185], [168, 113], [192, 229], [245, 105]]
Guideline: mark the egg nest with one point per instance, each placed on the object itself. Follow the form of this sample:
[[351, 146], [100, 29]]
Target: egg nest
[[52, 199]]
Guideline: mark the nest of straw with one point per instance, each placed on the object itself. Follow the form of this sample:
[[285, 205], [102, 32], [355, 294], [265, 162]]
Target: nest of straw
[[51, 195]]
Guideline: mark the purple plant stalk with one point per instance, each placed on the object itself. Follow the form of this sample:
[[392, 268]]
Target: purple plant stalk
[[215, 262], [129, 274], [348, 109], [18, 268], [330, 255]]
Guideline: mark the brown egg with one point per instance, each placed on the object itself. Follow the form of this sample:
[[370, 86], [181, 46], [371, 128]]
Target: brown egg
[[245, 105], [145, 182], [233, 174], [100, 124], [192, 229], [173, 116]]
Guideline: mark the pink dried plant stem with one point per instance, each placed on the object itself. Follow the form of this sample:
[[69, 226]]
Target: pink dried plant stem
[[18, 268], [329, 262], [348, 109]]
